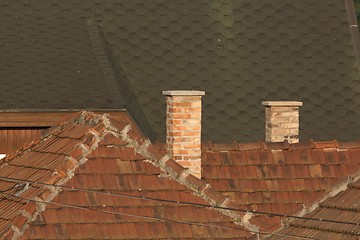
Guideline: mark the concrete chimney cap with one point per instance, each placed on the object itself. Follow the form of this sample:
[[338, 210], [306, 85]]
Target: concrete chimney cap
[[282, 103], [183, 93]]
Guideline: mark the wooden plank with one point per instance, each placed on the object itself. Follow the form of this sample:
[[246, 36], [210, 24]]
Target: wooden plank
[[23, 128], [13, 139], [44, 119], [3, 142]]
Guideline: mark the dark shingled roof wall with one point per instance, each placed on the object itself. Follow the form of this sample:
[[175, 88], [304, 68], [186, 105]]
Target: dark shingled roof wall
[[239, 52], [52, 63]]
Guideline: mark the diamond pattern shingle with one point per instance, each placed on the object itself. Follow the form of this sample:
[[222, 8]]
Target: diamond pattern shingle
[[53, 65]]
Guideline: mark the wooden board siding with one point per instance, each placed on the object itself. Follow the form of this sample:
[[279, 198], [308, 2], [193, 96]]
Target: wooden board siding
[[19, 128], [12, 139], [45, 118]]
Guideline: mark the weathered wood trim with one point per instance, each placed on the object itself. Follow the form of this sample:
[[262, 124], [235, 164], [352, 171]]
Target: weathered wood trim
[[44, 118], [19, 128]]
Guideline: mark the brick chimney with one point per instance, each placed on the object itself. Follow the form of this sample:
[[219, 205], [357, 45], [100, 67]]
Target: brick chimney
[[183, 128], [282, 121]]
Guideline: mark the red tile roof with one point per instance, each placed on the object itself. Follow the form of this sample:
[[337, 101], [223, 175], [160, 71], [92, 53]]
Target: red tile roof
[[278, 177], [90, 155], [338, 216], [80, 161]]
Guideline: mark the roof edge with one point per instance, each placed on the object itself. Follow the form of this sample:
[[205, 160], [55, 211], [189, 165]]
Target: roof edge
[[38, 110], [285, 145], [341, 187], [354, 30], [62, 175], [174, 170]]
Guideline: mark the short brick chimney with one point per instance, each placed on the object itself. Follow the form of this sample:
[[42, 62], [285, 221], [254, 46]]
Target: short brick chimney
[[282, 121], [183, 128]]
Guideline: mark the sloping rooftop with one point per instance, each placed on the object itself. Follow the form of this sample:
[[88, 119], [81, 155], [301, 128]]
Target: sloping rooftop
[[239, 52], [342, 210], [92, 177], [55, 63], [282, 178]]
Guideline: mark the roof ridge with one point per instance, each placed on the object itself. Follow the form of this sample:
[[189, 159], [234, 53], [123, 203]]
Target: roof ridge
[[62, 174], [89, 142], [285, 145], [321, 227], [338, 188], [182, 175], [47, 133], [97, 43]]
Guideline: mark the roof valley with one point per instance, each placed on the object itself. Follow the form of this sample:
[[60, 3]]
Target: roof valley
[[103, 61], [175, 171], [339, 188]]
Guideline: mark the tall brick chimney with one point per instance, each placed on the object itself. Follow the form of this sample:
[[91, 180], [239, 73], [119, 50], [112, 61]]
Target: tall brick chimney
[[282, 121], [183, 128]]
